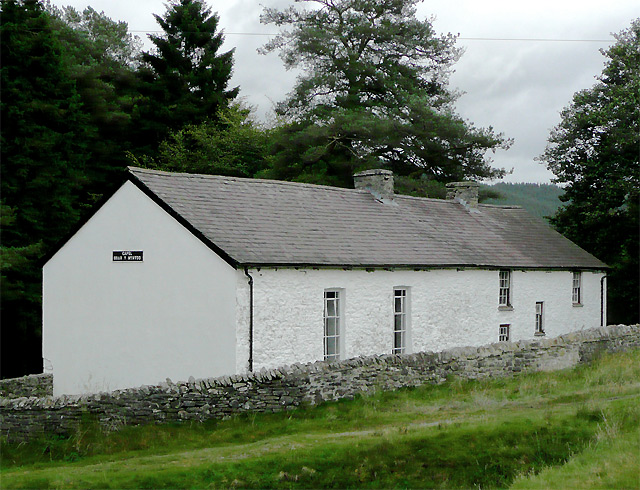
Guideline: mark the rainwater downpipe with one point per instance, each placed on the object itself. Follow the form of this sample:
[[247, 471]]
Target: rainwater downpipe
[[246, 273], [602, 319]]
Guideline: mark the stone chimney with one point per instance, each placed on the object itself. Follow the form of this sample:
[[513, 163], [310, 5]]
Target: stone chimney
[[464, 192], [378, 181]]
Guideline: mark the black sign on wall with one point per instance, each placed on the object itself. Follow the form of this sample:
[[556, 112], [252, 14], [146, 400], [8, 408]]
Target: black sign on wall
[[127, 255]]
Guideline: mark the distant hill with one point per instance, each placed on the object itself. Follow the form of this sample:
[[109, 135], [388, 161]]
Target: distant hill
[[541, 200]]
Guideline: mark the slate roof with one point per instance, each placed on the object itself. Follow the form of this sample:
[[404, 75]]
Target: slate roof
[[267, 222]]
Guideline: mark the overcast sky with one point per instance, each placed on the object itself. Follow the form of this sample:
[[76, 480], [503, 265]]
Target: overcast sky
[[522, 63]]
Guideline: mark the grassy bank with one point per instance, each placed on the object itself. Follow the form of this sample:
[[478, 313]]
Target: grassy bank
[[564, 429]]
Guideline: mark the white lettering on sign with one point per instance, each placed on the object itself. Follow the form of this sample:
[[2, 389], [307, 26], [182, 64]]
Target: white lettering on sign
[[127, 255]]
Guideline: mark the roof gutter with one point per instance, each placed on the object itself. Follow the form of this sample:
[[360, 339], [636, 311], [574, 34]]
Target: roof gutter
[[312, 265], [246, 273]]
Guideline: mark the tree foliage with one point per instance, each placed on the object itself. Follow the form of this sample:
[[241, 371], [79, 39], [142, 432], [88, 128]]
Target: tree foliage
[[373, 91], [44, 154], [100, 57], [595, 152], [101, 37], [185, 81], [73, 93], [234, 145]]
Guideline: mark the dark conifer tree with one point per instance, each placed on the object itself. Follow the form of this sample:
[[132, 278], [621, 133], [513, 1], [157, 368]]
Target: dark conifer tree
[[185, 81], [43, 146], [100, 56]]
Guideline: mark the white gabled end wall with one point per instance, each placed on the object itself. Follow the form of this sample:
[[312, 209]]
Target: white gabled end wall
[[110, 325], [447, 308]]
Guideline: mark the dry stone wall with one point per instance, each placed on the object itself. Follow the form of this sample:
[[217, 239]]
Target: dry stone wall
[[33, 385], [289, 387]]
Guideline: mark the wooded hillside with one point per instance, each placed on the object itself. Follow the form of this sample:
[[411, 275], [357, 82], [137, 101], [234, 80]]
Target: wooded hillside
[[542, 200]]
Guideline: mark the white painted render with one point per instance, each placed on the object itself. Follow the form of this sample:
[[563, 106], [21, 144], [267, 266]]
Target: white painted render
[[447, 308], [110, 325], [243, 294]]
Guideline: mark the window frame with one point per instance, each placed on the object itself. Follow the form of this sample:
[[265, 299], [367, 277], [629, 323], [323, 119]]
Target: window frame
[[401, 293], [505, 290], [335, 296], [539, 325], [576, 288], [504, 332]]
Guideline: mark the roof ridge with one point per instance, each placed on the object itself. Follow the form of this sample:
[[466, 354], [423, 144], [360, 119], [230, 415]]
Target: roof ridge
[[501, 206], [254, 180], [419, 198], [249, 180]]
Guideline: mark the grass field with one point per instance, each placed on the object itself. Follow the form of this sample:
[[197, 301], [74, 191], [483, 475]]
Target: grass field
[[569, 429]]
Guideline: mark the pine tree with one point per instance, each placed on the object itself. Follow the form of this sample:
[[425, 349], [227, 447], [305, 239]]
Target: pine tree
[[373, 92]]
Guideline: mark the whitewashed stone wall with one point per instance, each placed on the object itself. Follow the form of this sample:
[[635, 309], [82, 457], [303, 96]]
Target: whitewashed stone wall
[[448, 308], [184, 312], [242, 322]]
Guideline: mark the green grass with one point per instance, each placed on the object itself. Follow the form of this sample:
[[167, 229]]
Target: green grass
[[568, 429], [612, 462]]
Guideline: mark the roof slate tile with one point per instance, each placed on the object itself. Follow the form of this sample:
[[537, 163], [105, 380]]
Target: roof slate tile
[[284, 223]]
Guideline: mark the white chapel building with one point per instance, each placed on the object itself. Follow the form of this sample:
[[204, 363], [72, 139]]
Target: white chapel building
[[178, 275]]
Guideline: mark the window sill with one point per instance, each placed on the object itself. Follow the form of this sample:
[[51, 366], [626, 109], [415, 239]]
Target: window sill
[[539, 334], [578, 305], [505, 308]]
